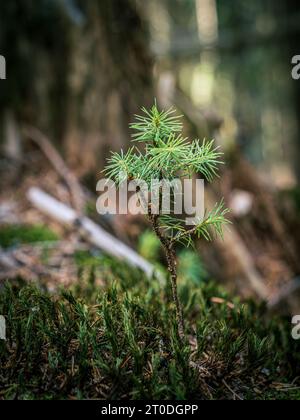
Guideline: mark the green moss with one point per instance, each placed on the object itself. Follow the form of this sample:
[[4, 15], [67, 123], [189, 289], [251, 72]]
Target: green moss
[[12, 235], [119, 340], [288, 394]]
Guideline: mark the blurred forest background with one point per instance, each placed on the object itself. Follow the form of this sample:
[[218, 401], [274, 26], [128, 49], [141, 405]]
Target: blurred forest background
[[79, 70], [81, 322]]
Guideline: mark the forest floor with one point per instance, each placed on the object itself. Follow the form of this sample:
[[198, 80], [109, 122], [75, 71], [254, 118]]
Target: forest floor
[[81, 325], [111, 334]]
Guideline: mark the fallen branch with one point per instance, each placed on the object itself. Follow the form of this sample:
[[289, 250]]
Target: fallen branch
[[92, 232], [59, 165]]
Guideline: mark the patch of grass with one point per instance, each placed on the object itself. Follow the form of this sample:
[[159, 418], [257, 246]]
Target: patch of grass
[[12, 235], [87, 259], [120, 341], [191, 267], [149, 246]]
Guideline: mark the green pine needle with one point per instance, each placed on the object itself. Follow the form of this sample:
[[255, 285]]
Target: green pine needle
[[155, 125], [203, 158], [213, 223], [168, 155], [120, 165]]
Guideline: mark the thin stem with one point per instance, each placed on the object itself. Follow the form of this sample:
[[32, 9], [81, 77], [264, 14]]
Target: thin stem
[[172, 263], [183, 234]]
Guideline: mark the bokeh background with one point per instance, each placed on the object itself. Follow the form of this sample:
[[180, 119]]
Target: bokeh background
[[79, 70]]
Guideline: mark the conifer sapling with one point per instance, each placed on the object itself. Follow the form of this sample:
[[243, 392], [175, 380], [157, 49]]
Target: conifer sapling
[[168, 156]]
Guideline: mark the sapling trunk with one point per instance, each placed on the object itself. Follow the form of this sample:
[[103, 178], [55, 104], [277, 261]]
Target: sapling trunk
[[172, 269]]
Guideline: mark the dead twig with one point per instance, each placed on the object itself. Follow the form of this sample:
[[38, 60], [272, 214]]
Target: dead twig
[[232, 391]]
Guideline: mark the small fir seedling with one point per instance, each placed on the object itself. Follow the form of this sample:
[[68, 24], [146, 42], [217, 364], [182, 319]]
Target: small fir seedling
[[168, 155]]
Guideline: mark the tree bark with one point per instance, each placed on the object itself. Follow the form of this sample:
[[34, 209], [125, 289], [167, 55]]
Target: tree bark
[[112, 87]]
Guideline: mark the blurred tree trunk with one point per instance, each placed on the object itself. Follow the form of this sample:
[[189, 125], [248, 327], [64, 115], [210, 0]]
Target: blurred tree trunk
[[293, 41], [34, 38], [110, 80], [77, 70]]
